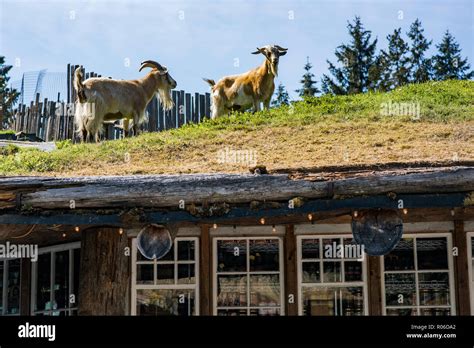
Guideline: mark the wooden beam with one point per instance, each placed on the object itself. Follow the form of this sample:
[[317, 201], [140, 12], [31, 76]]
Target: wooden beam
[[374, 274], [291, 269], [105, 272], [205, 272], [25, 286], [461, 270], [169, 190]]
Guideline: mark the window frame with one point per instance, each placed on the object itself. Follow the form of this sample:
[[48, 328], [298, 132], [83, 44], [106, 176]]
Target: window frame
[[34, 279], [280, 272], [175, 262], [470, 259], [416, 271], [299, 260], [4, 293]]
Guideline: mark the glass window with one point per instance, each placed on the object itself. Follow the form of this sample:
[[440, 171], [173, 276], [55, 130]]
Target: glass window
[[10, 282], [55, 281], [248, 277], [416, 277], [168, 286], [331, 276]]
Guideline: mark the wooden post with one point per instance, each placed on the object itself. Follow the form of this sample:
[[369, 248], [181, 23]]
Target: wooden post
[[374, 285], [291, 267], [25, 286], [105, 272], [205, 273], [461, 271]]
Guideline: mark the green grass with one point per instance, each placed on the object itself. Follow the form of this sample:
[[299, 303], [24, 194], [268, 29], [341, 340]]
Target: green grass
[[441, 103], [8, 131]]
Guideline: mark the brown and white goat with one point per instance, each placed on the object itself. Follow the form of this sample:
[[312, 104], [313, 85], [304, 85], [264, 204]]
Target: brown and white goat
[[102, 99], [247, 90]]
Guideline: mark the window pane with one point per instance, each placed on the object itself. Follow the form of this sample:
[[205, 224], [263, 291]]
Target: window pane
[[435, 311], [331, 248], [353, 271], [264, 255], [264, 290], [310, 248], [61, 280], [319, 300], [434, 289], [166, 302], [264, 312], [351, 301], [13, 294], [165, 274], [311, 272], [186, 274], [2, 263], [332, 272], [43, 285], [186, 250], [432, 253], [402, 257], [231, 256], [231, 290], [77, 267], [232, 312], [401, 312], [400, 289], [145, 274]]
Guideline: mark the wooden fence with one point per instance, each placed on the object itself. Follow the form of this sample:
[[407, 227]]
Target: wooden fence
[[54, 120]]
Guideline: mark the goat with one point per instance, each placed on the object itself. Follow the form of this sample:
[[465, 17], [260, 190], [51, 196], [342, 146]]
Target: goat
[[102, 99], [241, 92]]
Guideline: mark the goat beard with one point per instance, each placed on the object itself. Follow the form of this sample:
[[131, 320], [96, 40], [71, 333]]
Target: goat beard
[[274, 69], [165, 98]]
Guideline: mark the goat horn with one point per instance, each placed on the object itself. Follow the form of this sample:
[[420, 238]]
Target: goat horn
[[151, 64], [281, 48], [258, 51]]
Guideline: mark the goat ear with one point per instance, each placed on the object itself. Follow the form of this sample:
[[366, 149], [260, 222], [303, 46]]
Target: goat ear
[[256, 52]]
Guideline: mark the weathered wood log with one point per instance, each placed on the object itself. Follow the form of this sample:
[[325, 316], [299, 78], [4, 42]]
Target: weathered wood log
[[104, 272], [169, 190]]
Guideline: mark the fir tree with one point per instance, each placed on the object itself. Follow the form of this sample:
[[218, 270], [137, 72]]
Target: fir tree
[[308, 88], [448, 63], [357, 59], [420, 67], [8, 96], [396, 62], [281, 96]]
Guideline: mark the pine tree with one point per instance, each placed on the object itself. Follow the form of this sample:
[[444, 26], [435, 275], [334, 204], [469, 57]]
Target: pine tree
[[396, 61], [420, 67], [357, 59], [448, 63], [281, 96], [308, 88], [8, 96]]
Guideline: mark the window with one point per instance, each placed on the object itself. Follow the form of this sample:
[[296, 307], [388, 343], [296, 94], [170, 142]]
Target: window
[[470, 260], [248, 277], [331, 279], [10, 279], [417, 277], [170, 285], [55, 281]]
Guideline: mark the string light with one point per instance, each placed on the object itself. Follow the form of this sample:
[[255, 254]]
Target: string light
[[452, 212], [310, 217], [77, 229], [64, 235], [274, 229], [355, 213], [120, 231], [262, 221], [214, 226], [405, 211]]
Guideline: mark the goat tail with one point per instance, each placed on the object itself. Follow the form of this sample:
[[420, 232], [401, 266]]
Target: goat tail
[[212, 83], [78, 85]]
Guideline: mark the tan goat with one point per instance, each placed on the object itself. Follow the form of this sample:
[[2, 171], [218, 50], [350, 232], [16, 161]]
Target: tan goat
[[242, 92], [102, 99]]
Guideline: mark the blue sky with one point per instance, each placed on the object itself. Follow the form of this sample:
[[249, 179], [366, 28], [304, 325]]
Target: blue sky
[[207, 38]]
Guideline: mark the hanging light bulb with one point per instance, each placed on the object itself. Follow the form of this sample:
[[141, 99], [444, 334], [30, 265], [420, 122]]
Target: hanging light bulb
[[120, 230], [64, 235], [262, 221], [214, 226], [274, 229], [77, 229], [355, 213], [405, 211], [310, 217]]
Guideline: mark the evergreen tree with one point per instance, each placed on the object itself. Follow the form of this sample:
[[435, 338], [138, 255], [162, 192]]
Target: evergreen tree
[[8, 96], [448, 63], [420, 67], [396, 62], [308, 88], [357, 59], [281, 96]]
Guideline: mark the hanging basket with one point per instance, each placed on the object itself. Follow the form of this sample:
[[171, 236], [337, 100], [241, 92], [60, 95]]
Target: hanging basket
[[378, 231], [154, 242]]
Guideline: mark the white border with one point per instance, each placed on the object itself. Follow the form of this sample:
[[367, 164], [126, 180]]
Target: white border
[[450, 271], [363, 283], [248, 238]]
